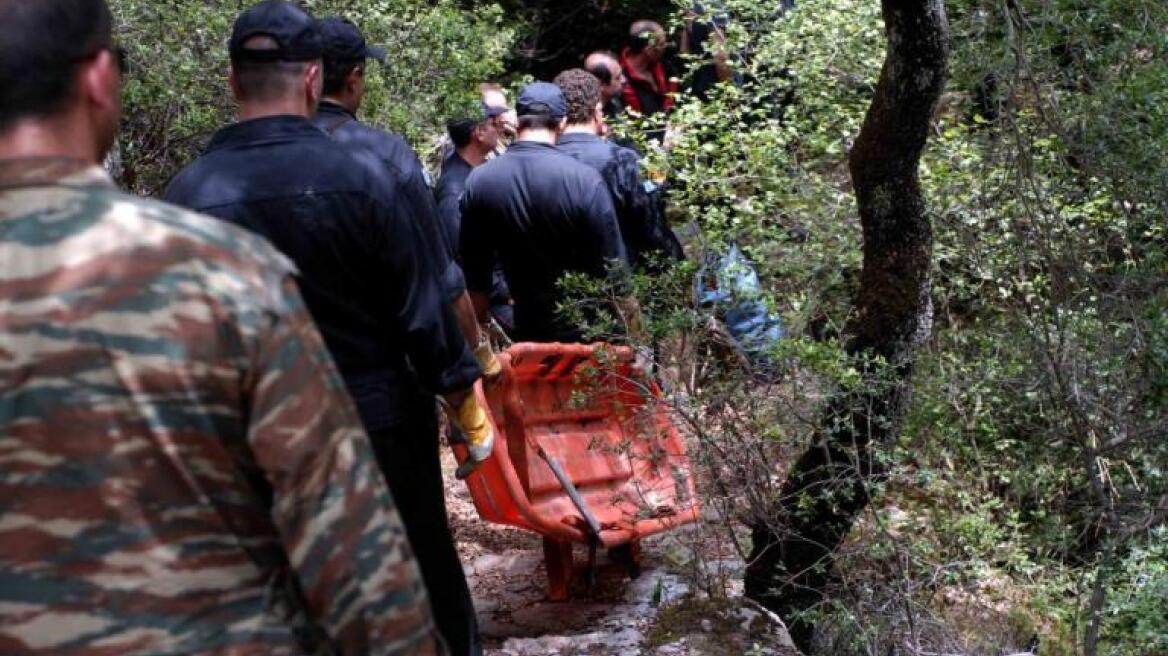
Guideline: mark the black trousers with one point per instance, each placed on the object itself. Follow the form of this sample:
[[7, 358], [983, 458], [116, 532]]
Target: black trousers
[[409, 459]]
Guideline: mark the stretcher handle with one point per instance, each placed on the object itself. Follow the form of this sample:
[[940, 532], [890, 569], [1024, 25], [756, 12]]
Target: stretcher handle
[[573, 493]]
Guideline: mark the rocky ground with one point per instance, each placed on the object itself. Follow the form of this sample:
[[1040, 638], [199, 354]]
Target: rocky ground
[[664, 612]]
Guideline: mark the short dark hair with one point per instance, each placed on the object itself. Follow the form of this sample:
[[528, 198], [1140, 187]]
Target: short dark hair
[[461, 130], [581, 92], [601, 72], [42, 44], [539, 122], [266, 80], [337, 71]]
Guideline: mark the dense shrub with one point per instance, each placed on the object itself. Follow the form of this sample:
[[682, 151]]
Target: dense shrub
[[1034, 461], [176, 96]]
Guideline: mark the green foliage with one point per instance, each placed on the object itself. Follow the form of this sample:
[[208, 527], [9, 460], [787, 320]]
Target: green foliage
[[439, 54], [1034, 448], [763, 165], [1137, 615], [554, 35], [1033, 456], [1044, 384], [176, 95]]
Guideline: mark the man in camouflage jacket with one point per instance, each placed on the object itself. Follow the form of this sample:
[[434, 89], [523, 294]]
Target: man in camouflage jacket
[[181, 471]]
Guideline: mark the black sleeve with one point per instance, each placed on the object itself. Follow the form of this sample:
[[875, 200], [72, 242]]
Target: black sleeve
[[178, 191], [602, 226], [450, 212], [447, 219], [630, 201], [476, 246], [439, 244], [450, 217], [422, 313], [642, 220]]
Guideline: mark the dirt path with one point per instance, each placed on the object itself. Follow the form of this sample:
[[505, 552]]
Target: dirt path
[[616, 617], [506, 574]]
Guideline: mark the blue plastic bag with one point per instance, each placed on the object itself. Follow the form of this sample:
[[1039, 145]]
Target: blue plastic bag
[[731, 286]]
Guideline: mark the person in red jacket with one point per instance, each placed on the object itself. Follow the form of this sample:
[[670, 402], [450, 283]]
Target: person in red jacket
[[648, 89]]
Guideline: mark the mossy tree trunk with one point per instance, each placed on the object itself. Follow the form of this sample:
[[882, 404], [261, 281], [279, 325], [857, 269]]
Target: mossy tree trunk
[[831, 483]]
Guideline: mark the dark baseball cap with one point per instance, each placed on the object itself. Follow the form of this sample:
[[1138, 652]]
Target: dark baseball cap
[[491, 111], [293, 29], [343, 41], [459, 129], [542, 98]]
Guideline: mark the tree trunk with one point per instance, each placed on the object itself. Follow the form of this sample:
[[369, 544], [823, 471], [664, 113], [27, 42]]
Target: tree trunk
[[829, 485]]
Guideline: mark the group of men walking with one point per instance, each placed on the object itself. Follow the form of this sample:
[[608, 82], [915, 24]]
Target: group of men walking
[[218, 435]]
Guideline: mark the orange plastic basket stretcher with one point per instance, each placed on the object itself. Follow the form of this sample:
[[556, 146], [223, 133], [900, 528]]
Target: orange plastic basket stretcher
[[593, 414]]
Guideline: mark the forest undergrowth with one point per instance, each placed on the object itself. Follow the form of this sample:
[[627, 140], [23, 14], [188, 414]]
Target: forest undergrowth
[[1025, 500]]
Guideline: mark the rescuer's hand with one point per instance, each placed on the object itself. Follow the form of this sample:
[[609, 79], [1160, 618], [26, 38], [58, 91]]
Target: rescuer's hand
[[471, 418], [487, 358]]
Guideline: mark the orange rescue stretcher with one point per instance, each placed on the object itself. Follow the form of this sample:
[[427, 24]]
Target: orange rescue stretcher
[[583, 455]]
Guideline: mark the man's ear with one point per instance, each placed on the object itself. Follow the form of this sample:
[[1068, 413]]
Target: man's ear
[[313, 84], [355, 80], [100, 82], [233, 83], [98, 89]]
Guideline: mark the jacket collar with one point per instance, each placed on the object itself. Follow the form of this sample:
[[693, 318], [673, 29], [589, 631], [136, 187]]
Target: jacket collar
[[330, 108], [35, 171], [530, 146], [455, 161], [579, 137], [264, 130]]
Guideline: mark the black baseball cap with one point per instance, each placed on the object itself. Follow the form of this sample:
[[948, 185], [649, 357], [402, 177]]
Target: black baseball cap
[[459, 129], [295, 32], [542, 98], [491, 111], [343, 41]]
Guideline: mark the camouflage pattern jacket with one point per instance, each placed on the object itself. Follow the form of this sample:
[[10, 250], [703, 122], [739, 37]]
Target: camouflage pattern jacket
[[181, 471]]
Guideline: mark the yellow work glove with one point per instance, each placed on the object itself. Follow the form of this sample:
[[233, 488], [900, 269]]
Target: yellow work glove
[[471, 418], [487, 360]]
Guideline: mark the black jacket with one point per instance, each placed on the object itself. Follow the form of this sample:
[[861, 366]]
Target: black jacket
[[365, 270], [451, 185], [642, 222], [542, 214], [448, 194], [614, 107], [401, 163]]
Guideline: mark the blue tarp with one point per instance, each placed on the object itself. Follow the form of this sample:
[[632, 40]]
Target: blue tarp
[[737, 297]]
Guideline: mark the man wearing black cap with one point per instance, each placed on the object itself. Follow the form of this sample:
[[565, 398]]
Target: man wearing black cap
[[474, 140], [346, 54], [542, 214], [365, 264]]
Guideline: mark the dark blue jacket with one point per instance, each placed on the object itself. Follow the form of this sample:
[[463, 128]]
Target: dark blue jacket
[[401, 163], [365, 270], [451, 185], [448, 194], [642, 222], [542, 214]]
